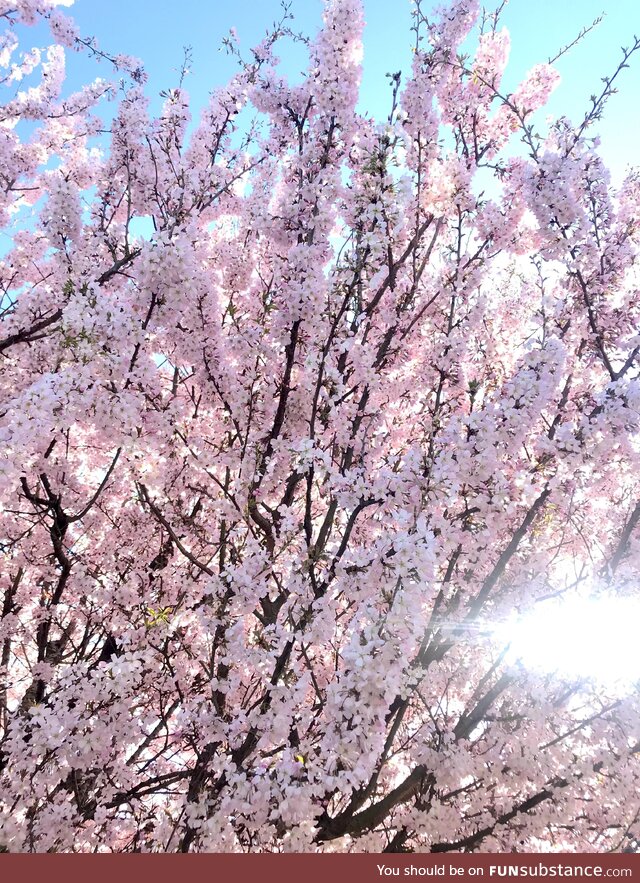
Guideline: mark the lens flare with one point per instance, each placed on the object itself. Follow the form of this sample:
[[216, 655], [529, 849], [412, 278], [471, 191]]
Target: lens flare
[[597, 639]]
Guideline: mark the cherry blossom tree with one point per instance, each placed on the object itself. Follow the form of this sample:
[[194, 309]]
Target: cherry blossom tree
[[277, 476]]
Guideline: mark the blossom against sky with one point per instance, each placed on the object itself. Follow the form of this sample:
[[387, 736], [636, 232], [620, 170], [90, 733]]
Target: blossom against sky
[[151, 30], [261, 497]]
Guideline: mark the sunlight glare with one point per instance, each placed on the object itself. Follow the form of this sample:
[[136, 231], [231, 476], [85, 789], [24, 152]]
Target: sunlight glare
[[592, 638]]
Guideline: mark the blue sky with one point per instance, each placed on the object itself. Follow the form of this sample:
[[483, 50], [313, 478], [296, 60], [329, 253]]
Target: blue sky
[[156, 31]]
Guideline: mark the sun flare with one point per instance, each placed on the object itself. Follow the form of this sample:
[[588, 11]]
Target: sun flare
[[596, 638]]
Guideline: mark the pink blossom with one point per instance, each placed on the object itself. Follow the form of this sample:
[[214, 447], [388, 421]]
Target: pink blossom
[[300, 416]]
